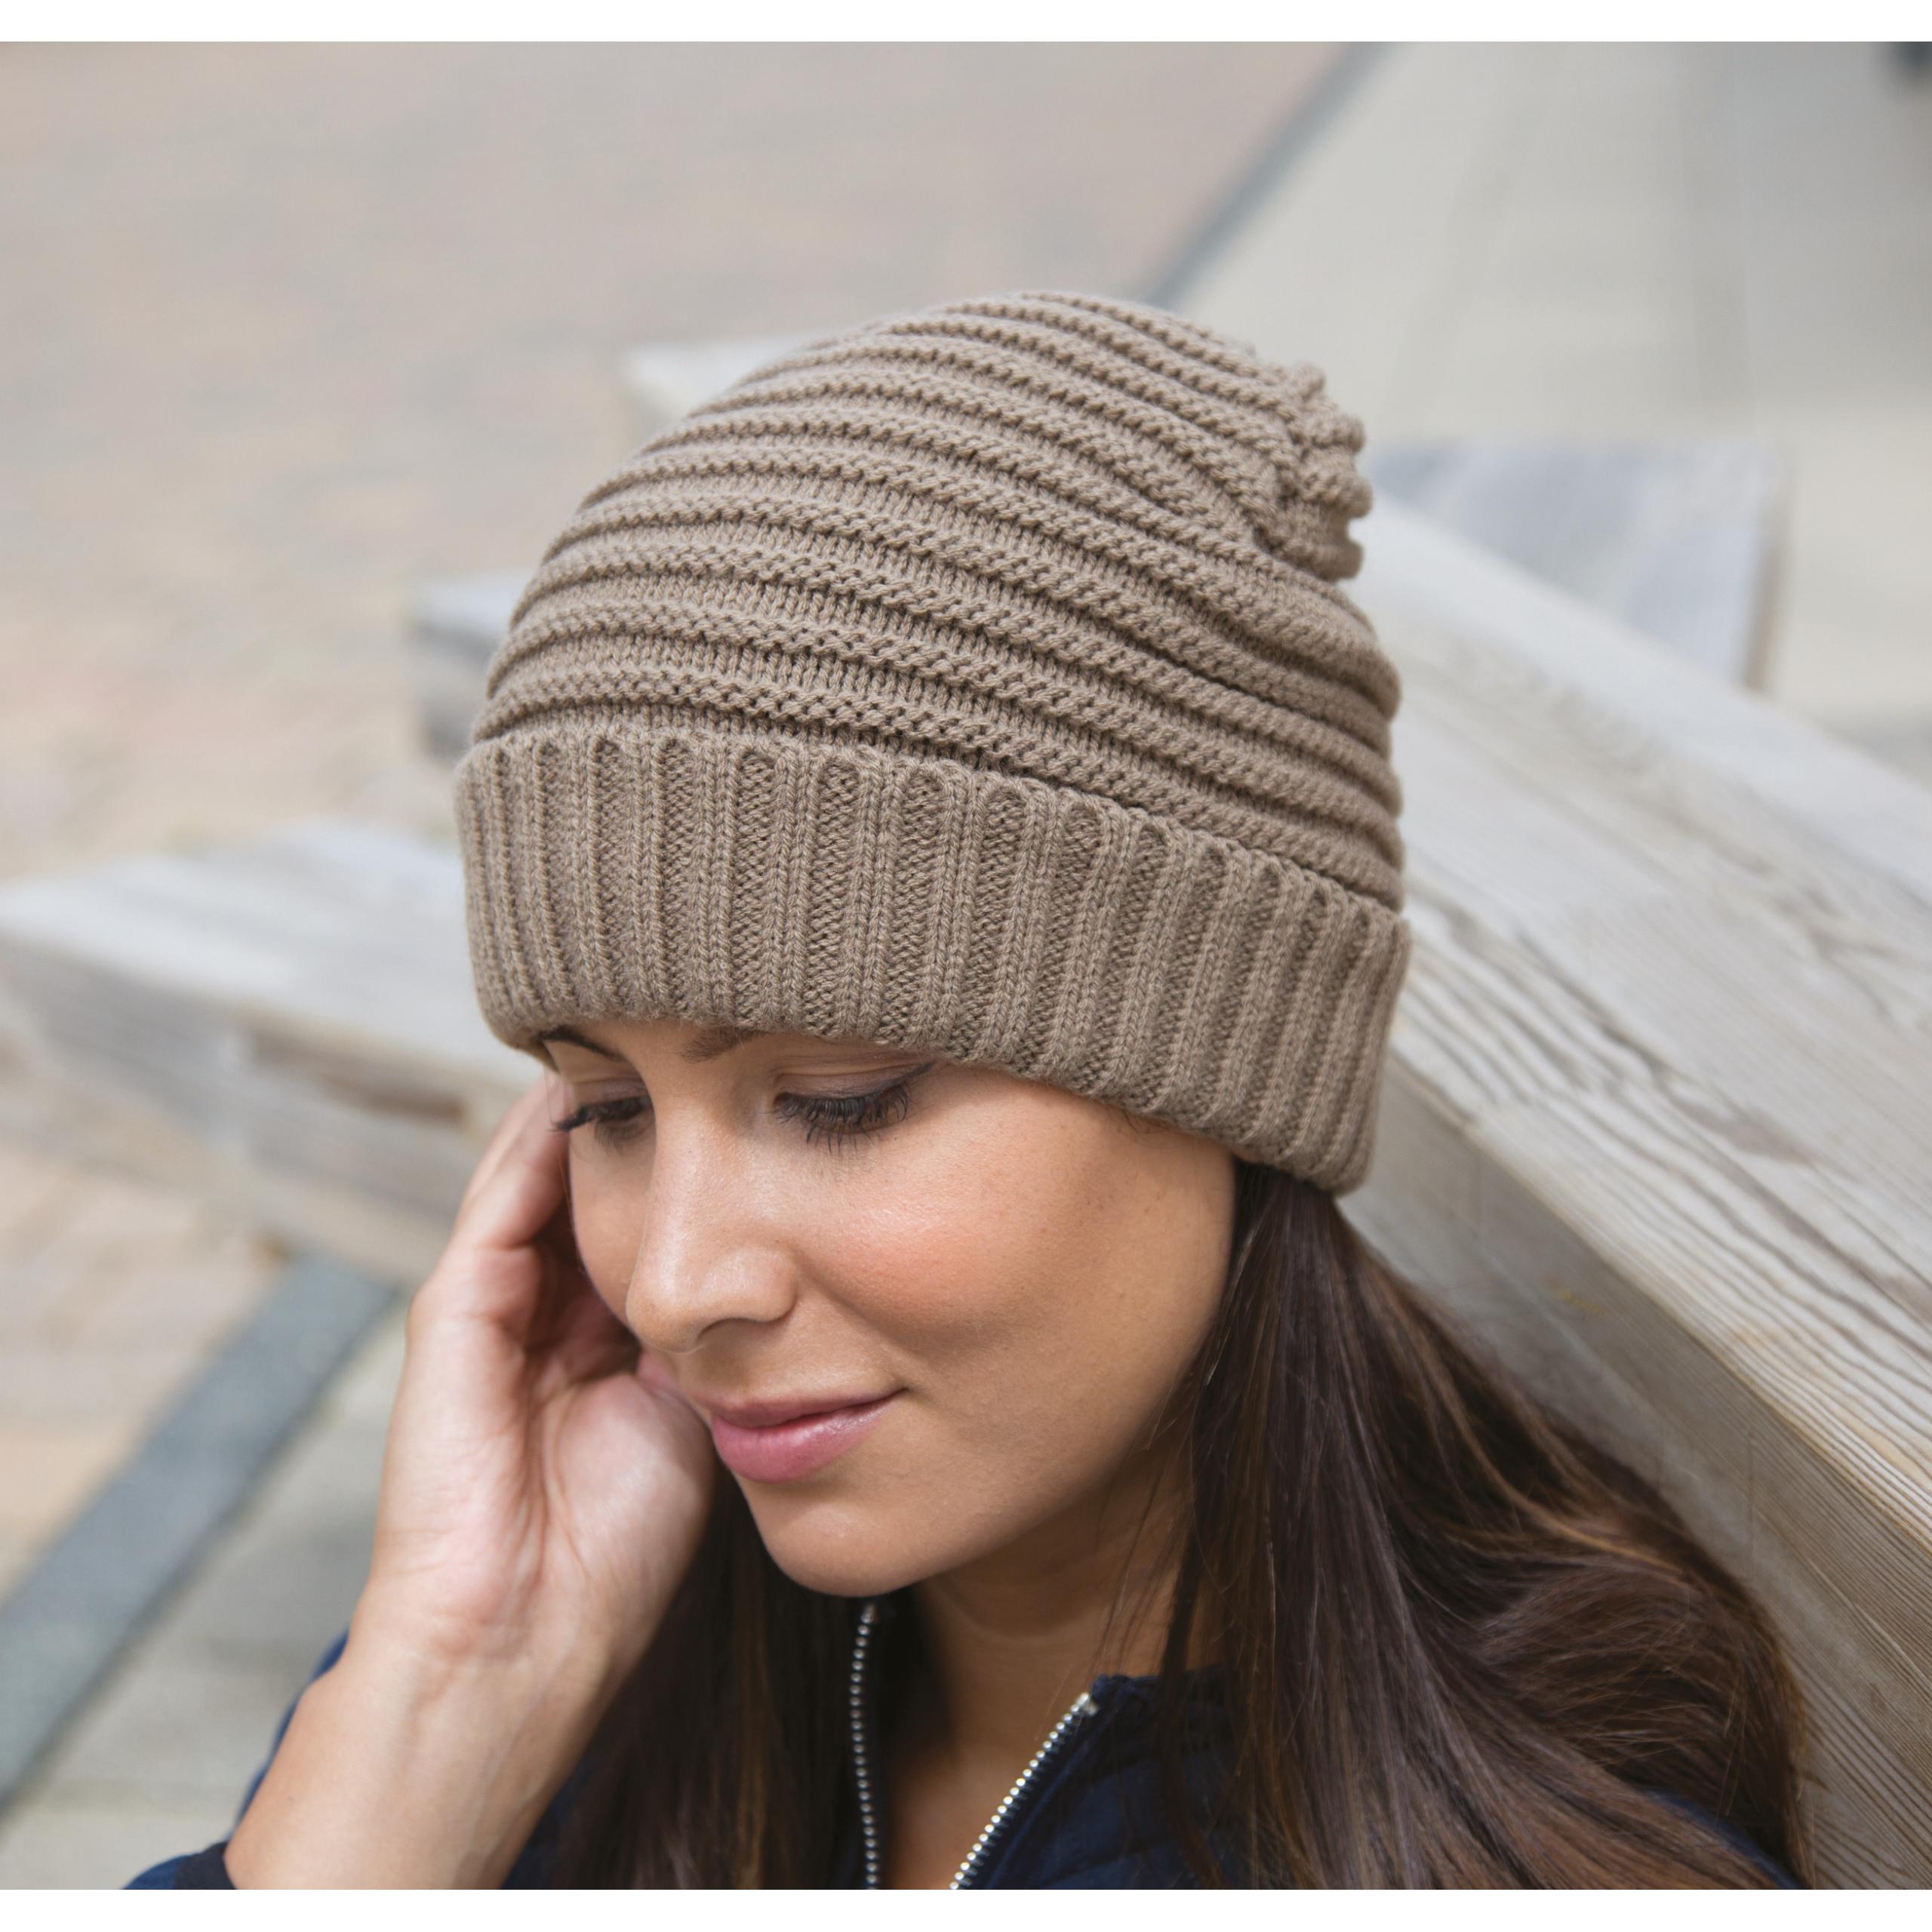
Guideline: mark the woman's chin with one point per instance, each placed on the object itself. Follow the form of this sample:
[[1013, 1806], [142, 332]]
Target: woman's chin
[[848, 1559]]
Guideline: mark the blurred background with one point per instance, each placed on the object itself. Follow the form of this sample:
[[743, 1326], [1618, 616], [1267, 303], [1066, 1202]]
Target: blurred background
[[306, 351]]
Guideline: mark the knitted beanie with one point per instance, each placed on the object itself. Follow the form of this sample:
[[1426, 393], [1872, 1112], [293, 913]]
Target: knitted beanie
[[976, 678]]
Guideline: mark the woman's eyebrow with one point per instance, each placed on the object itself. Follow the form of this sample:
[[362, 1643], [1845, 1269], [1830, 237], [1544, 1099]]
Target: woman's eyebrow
[[708, 1043], [576, 1039]]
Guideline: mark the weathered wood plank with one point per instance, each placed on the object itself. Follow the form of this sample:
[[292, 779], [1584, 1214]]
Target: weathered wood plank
[[665, 381], [1648, 697], [1659, 1116], [1675, 538], [289, 1026], [1904, 743], [455, 626]]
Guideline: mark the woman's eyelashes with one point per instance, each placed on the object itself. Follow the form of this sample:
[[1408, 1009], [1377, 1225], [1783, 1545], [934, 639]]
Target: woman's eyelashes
[[832, 1118], [612, 1122]]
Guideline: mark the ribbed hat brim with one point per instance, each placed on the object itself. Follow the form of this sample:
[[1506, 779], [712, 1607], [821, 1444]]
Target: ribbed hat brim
[[794, 883]]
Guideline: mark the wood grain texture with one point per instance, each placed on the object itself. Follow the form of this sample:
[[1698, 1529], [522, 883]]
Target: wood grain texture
[[1657, 1123], [288, 1025]]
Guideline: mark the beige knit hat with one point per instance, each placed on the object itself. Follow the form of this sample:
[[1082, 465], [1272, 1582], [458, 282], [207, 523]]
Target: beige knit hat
[[975, 678]]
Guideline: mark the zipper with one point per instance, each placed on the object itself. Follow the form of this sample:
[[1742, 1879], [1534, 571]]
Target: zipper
[[1083, 1706]]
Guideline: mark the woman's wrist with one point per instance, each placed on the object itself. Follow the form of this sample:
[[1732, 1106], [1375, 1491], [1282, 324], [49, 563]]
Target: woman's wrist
[[407, 1765]]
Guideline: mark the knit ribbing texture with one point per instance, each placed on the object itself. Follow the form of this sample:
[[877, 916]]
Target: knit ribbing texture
[[977, 678]]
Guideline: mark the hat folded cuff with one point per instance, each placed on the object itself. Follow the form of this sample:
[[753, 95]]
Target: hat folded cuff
[[819, 885]]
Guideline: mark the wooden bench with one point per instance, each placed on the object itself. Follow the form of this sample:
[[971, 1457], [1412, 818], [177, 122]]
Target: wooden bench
[[1675, 536], [664, 381], [455, 626], [1656, 1119], [287, 1026], [1658, 1115]]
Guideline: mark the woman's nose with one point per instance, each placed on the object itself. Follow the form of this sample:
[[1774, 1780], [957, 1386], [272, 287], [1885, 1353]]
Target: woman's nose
[[706, 1253]]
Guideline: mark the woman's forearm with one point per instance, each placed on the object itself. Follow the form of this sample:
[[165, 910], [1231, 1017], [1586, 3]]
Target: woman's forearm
[[401, 1769]]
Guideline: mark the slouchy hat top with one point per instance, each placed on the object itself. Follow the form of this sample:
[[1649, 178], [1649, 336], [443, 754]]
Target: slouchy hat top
[[976, 678]]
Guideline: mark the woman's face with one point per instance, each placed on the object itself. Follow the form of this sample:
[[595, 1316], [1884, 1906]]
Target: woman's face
[[1024, 1271]]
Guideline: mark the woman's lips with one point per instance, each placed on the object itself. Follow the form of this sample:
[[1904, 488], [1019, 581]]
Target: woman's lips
[[786, 1451]]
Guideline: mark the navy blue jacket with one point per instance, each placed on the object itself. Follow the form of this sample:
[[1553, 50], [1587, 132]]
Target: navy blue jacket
[[1088, 1815]]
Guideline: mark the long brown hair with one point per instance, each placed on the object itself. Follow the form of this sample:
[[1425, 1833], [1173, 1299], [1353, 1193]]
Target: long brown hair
[[1460, 1641]]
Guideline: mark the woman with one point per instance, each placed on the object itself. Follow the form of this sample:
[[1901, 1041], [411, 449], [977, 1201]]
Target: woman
[[932, 819]]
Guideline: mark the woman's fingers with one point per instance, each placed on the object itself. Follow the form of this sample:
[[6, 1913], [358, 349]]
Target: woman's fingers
[[494, 1265], [520, 1183], [537, 1098], [589, 1340]]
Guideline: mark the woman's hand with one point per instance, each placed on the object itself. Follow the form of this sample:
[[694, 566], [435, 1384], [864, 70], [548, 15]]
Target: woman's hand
[[544, 1490]]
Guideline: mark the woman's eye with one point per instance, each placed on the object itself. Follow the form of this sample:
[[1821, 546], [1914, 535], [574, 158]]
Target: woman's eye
[[837, 1117], [614, 1123], [828, 1117]]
